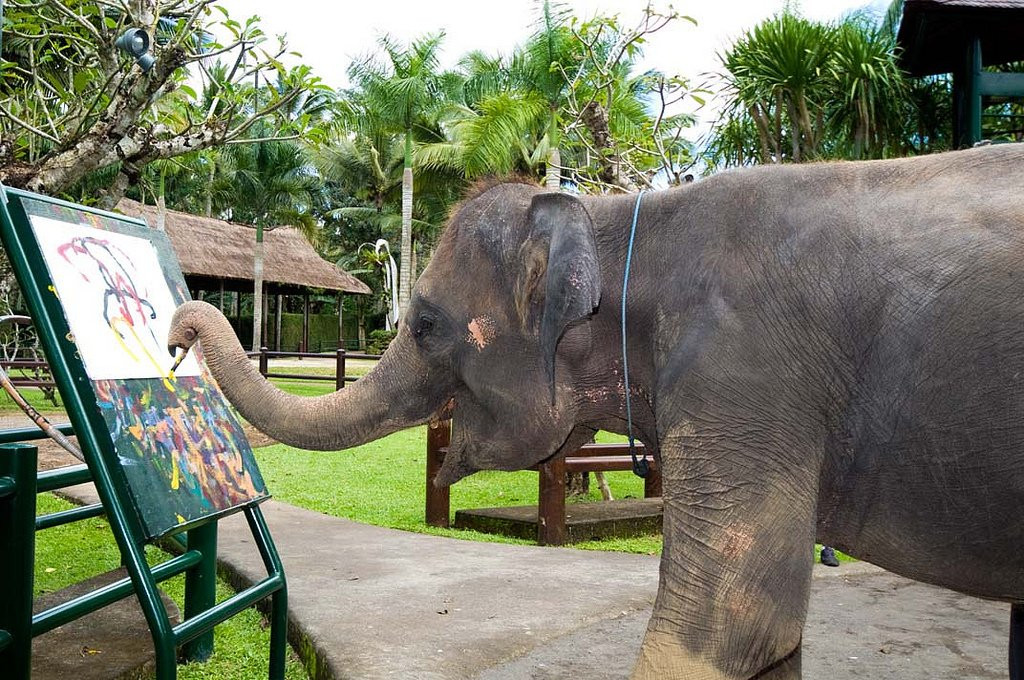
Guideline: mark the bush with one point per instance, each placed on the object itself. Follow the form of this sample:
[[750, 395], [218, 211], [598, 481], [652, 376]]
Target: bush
[[379, 341]]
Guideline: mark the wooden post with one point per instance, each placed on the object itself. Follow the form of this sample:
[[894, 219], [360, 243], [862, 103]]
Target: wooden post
[[551, 503], [439, 436], [264, 362], [277, 322], [652, 482], [339, 368]]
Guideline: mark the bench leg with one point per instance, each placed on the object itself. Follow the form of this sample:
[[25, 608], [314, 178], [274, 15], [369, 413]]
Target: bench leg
[[551, 504], [438, 509], [652, 483]]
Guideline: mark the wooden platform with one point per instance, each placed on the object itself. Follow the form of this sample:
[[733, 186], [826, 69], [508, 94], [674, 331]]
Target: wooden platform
[[584, 521]]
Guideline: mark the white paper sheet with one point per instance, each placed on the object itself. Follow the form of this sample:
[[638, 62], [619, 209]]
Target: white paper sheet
[[115, 297]]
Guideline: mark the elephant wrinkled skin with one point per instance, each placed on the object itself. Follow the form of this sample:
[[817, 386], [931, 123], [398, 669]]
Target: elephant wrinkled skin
[[825, 351]]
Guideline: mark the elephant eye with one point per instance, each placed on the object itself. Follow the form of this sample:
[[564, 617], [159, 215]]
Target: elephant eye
[[424, 325]]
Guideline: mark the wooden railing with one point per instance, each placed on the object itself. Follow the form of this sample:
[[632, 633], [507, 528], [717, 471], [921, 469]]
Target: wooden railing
[[16, 369], [340, 356]]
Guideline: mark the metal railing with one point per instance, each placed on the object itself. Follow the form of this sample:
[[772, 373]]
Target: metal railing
[[19, 485]]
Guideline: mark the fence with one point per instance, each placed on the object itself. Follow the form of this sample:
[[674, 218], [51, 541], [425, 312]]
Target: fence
[[340, 356], [26, 373]]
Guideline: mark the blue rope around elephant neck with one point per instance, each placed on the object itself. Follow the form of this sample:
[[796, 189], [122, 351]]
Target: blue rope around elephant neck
[[640, 466]]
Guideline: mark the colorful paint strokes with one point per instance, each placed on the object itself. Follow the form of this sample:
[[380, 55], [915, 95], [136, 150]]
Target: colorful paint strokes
[[181, 449], [115, 297]]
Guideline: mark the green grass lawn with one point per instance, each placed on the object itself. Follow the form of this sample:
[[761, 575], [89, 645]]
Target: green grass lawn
[[383, 483], [74, 552], [33, 396]]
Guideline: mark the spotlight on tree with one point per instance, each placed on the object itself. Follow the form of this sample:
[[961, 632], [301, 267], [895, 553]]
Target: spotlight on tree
[[135, 43]]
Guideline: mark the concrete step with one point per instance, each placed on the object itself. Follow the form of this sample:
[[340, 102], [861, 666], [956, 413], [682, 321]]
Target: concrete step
[[110, 644], [583, 521]]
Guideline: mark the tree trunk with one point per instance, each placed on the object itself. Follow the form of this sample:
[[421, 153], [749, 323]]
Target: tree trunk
[[414, 260], [577, 483], [161, 212], [405, 278], [257, 291], [553, 176], [208, 190], [595, 118]]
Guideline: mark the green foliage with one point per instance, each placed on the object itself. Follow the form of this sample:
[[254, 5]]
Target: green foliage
[[79, 116], [323, 332], [379, 341], [800, 90]]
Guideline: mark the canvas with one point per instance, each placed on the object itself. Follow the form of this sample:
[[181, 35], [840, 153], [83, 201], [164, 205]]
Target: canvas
[[183, 453]]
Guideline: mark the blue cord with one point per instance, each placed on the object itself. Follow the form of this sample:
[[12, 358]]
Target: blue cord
[[640, 466]]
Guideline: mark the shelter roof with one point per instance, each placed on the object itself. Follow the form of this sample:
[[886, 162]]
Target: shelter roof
[[934, 34], [208, 246]]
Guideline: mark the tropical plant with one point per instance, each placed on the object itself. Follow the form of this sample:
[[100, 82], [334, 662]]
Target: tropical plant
[[800, 90], [72, 104], [567, 105], [402, 90]]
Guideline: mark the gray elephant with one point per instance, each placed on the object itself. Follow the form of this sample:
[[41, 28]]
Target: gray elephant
[[824, 351]]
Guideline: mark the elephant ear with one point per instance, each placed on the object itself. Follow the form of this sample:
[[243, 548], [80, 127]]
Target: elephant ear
[[561, 274]]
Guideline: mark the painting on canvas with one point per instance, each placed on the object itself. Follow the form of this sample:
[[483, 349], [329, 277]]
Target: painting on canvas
[[115, 298], [181, 448]]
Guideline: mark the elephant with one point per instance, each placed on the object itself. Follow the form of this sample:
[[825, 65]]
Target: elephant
[[826, 351]]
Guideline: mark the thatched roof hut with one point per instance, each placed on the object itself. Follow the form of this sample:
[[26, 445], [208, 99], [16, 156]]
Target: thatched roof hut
[[216, 249]]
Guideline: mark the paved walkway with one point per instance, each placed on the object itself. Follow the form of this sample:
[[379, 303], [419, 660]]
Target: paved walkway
[[377, 603]]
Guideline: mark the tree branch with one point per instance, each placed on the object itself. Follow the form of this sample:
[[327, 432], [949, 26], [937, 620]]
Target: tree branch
[[26, 126]]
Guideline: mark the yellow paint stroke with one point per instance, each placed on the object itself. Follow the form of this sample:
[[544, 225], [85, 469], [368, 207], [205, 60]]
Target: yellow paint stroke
[[181, 520], [175, 475], [54, 291], [120, 322]]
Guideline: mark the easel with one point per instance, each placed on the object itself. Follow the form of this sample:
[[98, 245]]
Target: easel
[[135, 517]]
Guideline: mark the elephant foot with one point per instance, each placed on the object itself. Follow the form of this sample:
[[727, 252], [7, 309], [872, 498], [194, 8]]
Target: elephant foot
[[662, 657]]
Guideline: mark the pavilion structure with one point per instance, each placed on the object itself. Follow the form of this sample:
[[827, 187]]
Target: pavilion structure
[[963, 37], [217, 256]]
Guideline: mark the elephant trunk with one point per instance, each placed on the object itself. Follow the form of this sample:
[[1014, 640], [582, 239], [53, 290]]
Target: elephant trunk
[[362, 412]]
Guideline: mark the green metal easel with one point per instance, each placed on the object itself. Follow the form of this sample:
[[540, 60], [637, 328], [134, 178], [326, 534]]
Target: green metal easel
[[135, 517]]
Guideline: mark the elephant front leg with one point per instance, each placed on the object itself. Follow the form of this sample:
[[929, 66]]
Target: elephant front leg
[[736, 566]]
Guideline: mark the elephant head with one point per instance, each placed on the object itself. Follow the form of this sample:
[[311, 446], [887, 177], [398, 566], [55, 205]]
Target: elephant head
[[492, 330]]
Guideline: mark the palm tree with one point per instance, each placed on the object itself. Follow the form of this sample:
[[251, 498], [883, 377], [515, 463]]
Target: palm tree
[[269, 183], [403, 91]]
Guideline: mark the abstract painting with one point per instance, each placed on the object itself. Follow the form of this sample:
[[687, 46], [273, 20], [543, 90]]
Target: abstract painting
[[115, 298], [180, 447]]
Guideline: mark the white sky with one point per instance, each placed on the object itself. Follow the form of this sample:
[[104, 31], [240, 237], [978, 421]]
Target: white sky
[[331, 34]]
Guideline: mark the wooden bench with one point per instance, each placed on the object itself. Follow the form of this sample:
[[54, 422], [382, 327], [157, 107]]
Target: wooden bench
[[551, 528]]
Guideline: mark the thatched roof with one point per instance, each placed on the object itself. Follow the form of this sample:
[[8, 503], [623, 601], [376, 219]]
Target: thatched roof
[[210, 247], [934, 33]]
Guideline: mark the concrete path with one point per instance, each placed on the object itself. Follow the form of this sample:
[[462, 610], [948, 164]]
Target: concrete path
[[368, 603]]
